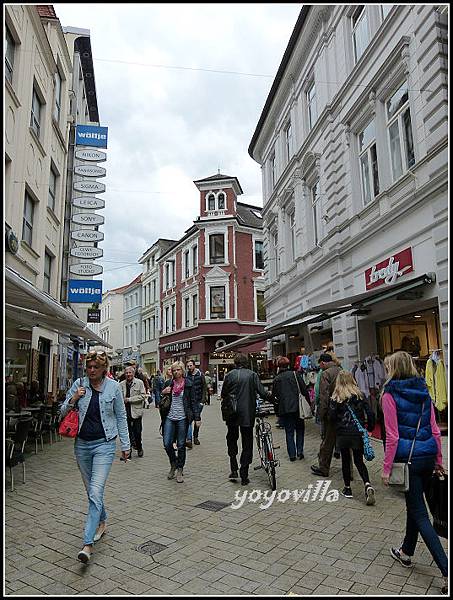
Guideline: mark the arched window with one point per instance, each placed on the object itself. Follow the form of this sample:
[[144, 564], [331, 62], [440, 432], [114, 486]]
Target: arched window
[[221, 201], [211, 202]]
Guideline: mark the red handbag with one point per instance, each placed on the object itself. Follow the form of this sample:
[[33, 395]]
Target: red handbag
[[69, 426]]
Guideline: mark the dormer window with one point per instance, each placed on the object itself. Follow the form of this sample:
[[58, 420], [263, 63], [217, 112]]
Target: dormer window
[[211, 202], [221, 201]]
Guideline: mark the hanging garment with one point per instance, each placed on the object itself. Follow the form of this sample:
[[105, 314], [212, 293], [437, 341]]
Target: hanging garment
[[362, 380], [379, 372], [437, 383]]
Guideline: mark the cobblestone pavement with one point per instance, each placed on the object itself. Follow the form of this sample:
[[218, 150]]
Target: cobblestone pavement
[[314, 547]]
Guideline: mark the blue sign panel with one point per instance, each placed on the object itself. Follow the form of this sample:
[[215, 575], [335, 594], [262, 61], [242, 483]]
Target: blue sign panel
[[91, 135], [84, 291]]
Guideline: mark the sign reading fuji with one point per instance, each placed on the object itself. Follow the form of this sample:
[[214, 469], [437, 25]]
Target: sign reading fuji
[[388, 271], [88, 219], [90, 202], [87, 252], [91, 155], [90, 171], [90, 187], [87, 235]]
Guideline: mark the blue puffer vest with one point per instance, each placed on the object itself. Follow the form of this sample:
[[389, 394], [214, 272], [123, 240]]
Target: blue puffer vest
[[409, 395]]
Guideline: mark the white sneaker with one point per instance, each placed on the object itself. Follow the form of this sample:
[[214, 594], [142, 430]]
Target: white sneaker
[[99, 533]]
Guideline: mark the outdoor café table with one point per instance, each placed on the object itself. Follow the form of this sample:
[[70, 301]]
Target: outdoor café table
[[15, 415]]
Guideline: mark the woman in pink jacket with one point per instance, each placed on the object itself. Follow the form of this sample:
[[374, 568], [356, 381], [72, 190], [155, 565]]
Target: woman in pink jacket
[[409, 413]]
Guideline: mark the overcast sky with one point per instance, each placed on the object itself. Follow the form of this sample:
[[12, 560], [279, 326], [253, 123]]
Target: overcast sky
[[170, 126]]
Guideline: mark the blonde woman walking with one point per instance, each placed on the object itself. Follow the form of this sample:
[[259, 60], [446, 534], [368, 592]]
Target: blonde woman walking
[[347, 400]]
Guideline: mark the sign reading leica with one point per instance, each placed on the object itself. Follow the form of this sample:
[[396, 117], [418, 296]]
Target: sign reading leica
[[388, 271], [90, 202]]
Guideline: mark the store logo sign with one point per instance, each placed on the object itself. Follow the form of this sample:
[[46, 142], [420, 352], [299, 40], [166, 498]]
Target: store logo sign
[[389, 270], [84, 290], [91, 135], [178, 347]]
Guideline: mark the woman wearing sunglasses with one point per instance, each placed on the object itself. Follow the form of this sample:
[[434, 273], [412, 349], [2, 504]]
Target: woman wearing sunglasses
[[102, 418]]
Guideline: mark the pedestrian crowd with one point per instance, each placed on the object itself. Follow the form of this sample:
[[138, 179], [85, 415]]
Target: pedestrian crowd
[[109, 409]]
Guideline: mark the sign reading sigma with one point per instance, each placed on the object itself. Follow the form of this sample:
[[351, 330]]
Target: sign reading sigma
[[178, 346], [91, 135], [84, 291], [388, 271]]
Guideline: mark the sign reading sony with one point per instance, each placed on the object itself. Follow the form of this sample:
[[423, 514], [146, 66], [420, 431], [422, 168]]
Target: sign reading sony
[[91, 135], [84, 291]]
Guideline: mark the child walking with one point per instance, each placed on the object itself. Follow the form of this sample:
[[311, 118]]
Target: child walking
[[347, 397]]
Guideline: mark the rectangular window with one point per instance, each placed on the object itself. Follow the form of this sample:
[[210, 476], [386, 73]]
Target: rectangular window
[[35, 120], [259, 255], [195, 259], [47, 271], [399, 127], [217, 302], [317, 213], [311, 104], [167, 319], [57, 106], [153, 261], [186, 264], [292, 227], [27, 224], [368, 163], [173, 317], [360, 36], [272, 171], [153, 283], [167, 276], [275, 255], [221, 201], [153, 328], [288, 143], [51, 198], [9, 54], [211, 202], [195, 308], [260, 310], [187, 312], [216, 249]]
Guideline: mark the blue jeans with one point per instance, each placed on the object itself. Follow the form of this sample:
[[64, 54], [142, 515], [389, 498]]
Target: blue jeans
[[94, 460], [178, 428], [417, 518], [293, 424]]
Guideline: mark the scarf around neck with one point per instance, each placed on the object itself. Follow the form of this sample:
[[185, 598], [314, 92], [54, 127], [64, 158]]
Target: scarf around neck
[[178, 388]]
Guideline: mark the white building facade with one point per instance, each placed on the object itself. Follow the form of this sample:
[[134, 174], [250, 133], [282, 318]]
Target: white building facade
[[353, 147]]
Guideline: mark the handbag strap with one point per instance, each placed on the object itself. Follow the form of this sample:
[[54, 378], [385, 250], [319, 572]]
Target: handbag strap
[[297, 382], [416, 432], [356, 421]]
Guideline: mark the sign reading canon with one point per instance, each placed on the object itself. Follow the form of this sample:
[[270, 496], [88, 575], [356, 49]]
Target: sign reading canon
[[91, 135], [87, 235], [389, 270], [88, 219]]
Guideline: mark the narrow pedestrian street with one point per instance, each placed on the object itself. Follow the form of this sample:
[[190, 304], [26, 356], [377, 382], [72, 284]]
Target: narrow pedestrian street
[[160, 541]]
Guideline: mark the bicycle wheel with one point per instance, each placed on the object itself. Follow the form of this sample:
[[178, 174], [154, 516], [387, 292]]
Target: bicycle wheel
[[270, 464]]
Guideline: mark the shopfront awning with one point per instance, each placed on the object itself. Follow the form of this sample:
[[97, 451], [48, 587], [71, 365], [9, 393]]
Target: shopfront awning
[[27, 305], [321, 312]]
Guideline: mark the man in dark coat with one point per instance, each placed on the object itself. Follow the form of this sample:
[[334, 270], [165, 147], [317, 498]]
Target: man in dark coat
[[330, 370], [246, 386]]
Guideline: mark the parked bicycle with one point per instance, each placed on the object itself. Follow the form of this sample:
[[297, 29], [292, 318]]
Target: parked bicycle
[[266, 448]]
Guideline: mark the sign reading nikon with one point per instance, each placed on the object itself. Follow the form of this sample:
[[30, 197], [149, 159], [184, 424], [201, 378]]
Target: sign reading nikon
[[91, 155]]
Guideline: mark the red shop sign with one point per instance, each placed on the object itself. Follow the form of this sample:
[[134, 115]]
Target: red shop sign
[[388, 271]]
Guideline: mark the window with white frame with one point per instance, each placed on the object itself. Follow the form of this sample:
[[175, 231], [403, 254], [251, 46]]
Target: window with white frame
[[195, 259], [27, 223], [153, 328], [260, 309], [173, 317], [144, 330], [221, 201], [51, 198], [216, 249], [292, 229], [186, 265], [399, 127], [275, 254], [195, 308], [167, 276], [211, 202], [9, 54], [187, 311], [167, 319], [154, 288], [217, 302], [272, 171], [259, 255], [57, 105], [368, 162], [312, 105], [47, 271], [318, 222], [36, 108], [360, 32], [288, 142]]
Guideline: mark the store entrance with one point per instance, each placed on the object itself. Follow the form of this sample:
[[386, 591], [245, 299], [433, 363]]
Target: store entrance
[[419, 334]]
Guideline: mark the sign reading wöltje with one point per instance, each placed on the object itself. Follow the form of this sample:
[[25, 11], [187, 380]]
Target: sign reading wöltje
[[91, 135], [84, 291]]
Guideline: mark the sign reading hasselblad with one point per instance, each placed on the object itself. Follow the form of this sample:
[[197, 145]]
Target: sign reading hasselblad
[[91, 135], [88, 252], [90, 171], [86, 269], [84, 291], [88, 219], [91, 155], [90, 202], [87, 235], [89, 186]]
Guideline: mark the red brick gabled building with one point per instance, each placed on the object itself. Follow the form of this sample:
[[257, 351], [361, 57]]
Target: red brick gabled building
[[212, 279]]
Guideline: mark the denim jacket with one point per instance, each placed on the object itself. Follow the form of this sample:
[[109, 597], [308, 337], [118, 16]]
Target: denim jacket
[[111, 405]]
